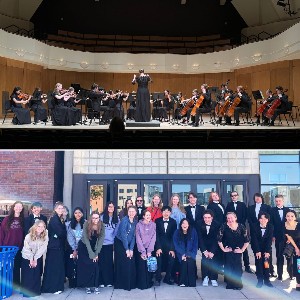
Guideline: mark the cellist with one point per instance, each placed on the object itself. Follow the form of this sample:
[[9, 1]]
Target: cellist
[[188, 106], [243, 106], [284, 102], [205, 106], [221, 97], [265, 103]]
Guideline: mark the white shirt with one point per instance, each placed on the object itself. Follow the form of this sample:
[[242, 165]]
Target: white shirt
[[193, 210], [280, 212], [257, 209], [221, 207], [234, 204], [207, 229], [263, 230], [166, 224]]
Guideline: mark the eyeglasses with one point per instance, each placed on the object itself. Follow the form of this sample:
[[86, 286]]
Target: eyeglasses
[[234, 195]]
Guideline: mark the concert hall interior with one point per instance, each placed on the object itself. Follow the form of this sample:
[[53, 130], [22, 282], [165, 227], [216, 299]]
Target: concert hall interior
[[149, 74]]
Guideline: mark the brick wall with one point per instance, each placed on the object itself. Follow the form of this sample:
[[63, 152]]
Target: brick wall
[[27, 176]]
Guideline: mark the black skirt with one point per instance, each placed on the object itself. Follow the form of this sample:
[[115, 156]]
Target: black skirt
[[40, 113], [87, 270], [65, 116], [125, 272], [143, 278], [22, 116], [71, 268], [31, 278], [143, 109], [54, 272], [106, 265]]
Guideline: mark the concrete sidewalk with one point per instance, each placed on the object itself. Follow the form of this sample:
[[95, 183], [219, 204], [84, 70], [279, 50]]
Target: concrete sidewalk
[[281, 290]]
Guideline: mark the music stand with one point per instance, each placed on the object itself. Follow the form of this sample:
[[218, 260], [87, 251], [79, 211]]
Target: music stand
[[76, 87], [257, 95]]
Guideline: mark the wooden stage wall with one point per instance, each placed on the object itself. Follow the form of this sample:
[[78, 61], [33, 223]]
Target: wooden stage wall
[[28, 76]]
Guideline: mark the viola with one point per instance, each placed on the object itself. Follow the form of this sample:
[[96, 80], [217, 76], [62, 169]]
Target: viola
[[23, 96]]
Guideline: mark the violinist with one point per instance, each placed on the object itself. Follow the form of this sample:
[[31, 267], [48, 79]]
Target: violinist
[[188, 105], [71, 104], [284, 103], [36, 105], [22, 115], [205, 106], [243, 106], [120, 97], [132, 107], [178, 100], [265, 105]]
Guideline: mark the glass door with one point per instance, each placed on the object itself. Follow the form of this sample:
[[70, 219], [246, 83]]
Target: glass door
[[152, 188], [125, 190], [97, 194], [237, 186]]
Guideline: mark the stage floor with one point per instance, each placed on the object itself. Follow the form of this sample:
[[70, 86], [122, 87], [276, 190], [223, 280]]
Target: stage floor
[[166, 136]]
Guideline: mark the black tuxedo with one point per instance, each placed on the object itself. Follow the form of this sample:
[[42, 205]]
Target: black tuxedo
[[252, 214], [30, 220], [164, 241], [241, 213], [209, 242], [219, 214], [139, 214], [262, 243], [279, 236], [198, 214]]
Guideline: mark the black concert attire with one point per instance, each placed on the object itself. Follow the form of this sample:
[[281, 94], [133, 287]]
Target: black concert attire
[[219, 211], [292, 262], [261, 241], [166, 108], [62, 114], [36, 105], [282, 108], [205, 107], [233, 261], [220, 100], [278, 220], [30, 221], [143, 109], [54, 272], [89, 247], [207, 240], [164, 241], [131, 110], [194, 213], [118, 110], [71, 104], [139, 210], [243, 107], [240, 209], [157, 106], [264, 118], [22, 115], [99, 104]]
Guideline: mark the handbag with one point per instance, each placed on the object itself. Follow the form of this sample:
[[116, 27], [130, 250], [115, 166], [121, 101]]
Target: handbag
[[288, 250], [152, 264]]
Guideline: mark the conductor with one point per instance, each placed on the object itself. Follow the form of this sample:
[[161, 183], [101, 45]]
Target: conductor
[[143, 113]]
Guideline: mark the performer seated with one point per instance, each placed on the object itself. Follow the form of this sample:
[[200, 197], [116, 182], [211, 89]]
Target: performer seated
[[132, 108], [284, 104], [178, 100], [167, 105], [61, 114], [205, 106], [71, 104], [188, 105], [243, 107], [36, 105], [164, 246], [22, 115], [267, 103], [120, 97], [221, 97]]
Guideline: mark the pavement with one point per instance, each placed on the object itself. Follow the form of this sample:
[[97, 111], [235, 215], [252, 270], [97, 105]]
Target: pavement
[[282, 290]]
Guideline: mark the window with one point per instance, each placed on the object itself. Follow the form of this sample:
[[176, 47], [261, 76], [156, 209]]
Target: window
[[129, 190], [121, 191]]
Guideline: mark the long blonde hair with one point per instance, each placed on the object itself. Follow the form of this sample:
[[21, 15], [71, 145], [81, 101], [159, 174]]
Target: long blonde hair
[[160, 205], [90, 225], [180, 205], [32, 231]]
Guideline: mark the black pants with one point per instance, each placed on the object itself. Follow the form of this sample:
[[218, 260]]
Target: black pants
[[106, 265], [276, 113], [246, 259], [262, 273], [17, 270], [143, 278], [238, 111], [233, 270], [209, 268], [165, 263], [279, 246], [200, 111], [187, 273]]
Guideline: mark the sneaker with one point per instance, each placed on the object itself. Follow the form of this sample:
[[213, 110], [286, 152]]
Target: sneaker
[[109, 285], [96, 291], [182, 285], [205, 281], [214, 283], [88, 290], [102, 285], [57, 293]]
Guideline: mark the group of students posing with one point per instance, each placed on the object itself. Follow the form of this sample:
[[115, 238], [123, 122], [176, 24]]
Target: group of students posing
[[112, 250]]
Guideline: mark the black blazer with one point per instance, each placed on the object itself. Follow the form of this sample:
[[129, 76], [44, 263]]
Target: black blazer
[[138, 214], [252, 215], [209, 241], [219, 216], [164, 240], [241, 211], [57, 233], [30, 220], [278, 223], [261, 243], [198, 214]]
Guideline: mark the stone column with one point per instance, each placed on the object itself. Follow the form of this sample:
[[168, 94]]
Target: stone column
[[68, 179]]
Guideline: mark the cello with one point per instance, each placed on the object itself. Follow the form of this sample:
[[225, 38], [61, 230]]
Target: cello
[[197, 105], [233, 105], [188, 104], [222, 105], [275, 103]]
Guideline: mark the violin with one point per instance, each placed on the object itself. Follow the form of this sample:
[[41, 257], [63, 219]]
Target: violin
[[23, 96]]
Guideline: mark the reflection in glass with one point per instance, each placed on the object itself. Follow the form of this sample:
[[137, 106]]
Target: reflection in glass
[[126, 191], [150, 189], [203, 192], [239, 188], [182, 190], [96, 198]]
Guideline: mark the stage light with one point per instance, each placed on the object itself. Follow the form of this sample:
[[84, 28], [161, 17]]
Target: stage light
[[183, 1]]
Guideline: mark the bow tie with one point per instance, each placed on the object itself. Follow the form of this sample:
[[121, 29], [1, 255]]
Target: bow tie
[[166, 221], [263, 227], [207, 225], [193, 206], [36, 217], [280, 208]]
